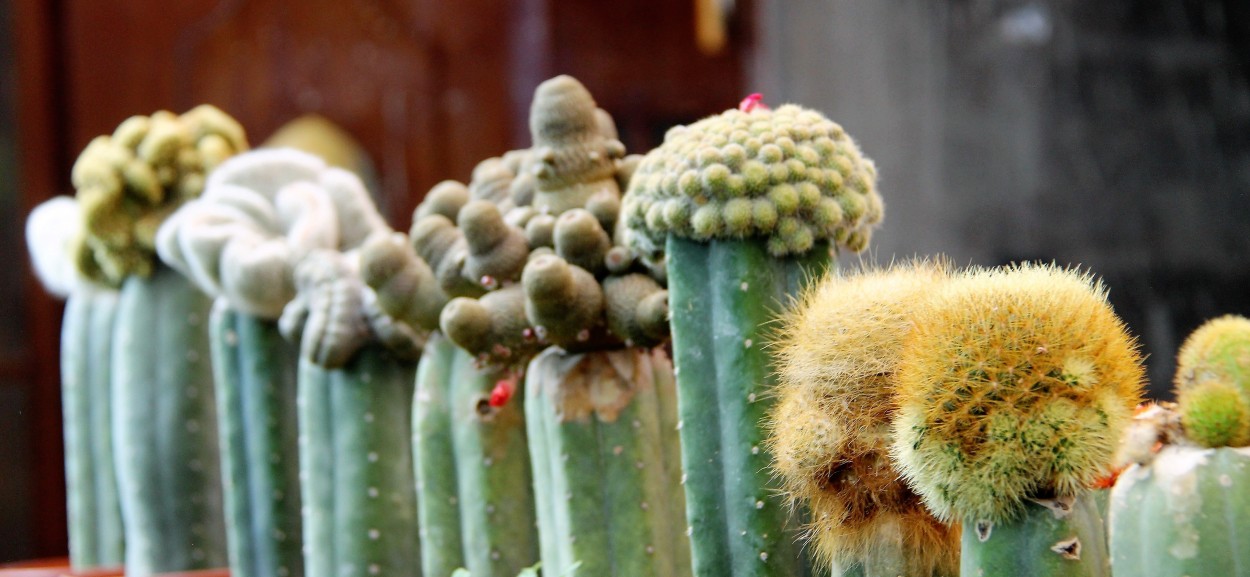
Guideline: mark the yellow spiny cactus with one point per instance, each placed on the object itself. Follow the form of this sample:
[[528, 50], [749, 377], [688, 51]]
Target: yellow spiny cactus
[[1015, 383], [837, 352]]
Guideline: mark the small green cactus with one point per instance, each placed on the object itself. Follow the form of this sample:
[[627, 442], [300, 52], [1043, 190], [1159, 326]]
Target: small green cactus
[[1213, 382], [838, 350], [130, 181], [572, 157], [1215, 414]]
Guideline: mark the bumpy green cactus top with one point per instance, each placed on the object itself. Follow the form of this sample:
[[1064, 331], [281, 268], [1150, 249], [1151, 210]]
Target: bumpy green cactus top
[[788, 175], [1213, 383], [1015, 383], [575, 149], [129, 182], [507, 275]]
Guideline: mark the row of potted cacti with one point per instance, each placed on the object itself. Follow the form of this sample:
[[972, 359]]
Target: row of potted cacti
[[419, 404]]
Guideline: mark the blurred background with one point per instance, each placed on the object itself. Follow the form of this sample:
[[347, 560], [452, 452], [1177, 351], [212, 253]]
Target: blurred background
[[1113, 135]]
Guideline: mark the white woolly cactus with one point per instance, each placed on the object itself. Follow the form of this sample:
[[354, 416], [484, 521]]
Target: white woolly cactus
[[50, 243], [264, 213]]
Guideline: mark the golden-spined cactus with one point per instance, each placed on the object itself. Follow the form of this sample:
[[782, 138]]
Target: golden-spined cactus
[[838, 350], [1015, 384], [130, 181], [789, 175]]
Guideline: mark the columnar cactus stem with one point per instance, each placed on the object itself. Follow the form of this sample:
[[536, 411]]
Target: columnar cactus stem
[[606, 463], [165, 435], [747, 207], [472, 466], [165, 425], [356, 467], [256, 371], [1060, 538], [722, 296], [1180, 508], [97, 536]]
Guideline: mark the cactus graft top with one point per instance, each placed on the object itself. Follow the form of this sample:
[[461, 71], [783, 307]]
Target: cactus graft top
[[789, 175], [130, 181]]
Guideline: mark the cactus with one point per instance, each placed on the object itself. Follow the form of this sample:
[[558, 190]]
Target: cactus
[[606, 462], [96, 535], [355, 393], [261, 213], [525, 271], [837, 351], [472, 466], [1013, 389], [748, 206], [1180, 509], [164, 422]]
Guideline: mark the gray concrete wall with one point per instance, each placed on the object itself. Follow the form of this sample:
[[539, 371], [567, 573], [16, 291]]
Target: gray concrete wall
[[1114, 135]]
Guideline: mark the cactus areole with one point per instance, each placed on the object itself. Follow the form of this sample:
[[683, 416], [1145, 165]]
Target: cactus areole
[[748, 207]]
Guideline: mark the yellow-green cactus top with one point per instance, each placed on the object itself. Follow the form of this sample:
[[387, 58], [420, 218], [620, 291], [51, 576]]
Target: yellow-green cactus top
[[130, 181], [1213, 383], [789, 175]]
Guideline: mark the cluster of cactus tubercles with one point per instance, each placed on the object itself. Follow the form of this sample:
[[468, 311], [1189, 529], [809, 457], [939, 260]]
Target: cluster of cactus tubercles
[[1213, 383], [526, 254], [130, 181], [789, 175]]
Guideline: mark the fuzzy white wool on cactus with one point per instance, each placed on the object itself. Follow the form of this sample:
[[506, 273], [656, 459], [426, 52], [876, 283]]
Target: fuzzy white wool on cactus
[[50, 230]]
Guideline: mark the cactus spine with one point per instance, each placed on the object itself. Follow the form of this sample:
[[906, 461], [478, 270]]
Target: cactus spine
[[748, 206], [472, 467], [1180, 508], [1013, 388], [96, 533], [165, 436], [256, 372]]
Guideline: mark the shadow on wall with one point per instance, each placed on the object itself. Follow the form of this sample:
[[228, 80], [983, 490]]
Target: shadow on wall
[[1111, 135]]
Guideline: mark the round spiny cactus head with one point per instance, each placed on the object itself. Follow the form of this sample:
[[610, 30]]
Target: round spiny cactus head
[[572, 158], [1015, 383], [1217, 350], [837, 350], [789, 175], [129, 182], [1215, 414], [260, 214]]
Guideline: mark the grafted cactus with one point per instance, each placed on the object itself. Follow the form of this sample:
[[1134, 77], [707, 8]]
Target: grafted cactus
[[838, 350], [165, 436], [527, 271], [260, 215], [96, 537], [1180, 507], [747, 206], [1013, 390]]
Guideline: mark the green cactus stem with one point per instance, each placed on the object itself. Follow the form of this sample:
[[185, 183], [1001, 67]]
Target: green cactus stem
[[356, 469], [96, 533], [747, 207], [1051, 537], [165, 427], [606, 463], [476, 503], [1183, 513], [256, 372], [722, 295]]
